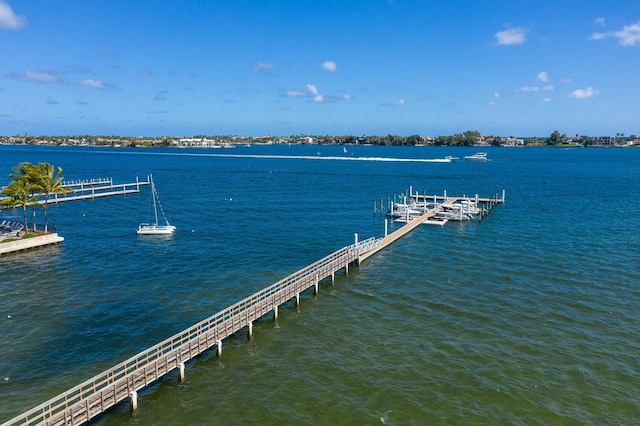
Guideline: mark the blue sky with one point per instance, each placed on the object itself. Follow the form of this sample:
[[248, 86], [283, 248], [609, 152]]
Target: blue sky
[[357, 67]]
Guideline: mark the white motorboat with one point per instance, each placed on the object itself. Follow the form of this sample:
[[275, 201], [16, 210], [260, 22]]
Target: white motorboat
[[478, 156], [402, 210], [456, 215], [155, 228], [467, 206], [463, 210]]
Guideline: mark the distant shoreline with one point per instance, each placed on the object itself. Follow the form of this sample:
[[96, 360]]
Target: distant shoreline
[[635, 144]]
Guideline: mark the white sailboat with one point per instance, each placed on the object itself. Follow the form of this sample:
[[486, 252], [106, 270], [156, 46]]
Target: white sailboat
[[155, 228]]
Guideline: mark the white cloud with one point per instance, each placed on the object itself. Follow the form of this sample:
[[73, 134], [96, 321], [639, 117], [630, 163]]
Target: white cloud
[[41, 77], [629, 35], [312, 89], [598, 36], [329, 66], [511, 36], [399, 102], [600, 21], [346, 96], [545, 100], [263, 66], [496, 94], [8, 19], [491, 103], [96, 84], [584, 93], [547, 88], [543, 76]]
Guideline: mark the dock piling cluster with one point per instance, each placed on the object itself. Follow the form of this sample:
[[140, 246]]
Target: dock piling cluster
[[436, 209]]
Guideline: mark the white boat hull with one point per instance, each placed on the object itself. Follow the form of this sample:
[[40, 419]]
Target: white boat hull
[[478, 156], [156, 229]]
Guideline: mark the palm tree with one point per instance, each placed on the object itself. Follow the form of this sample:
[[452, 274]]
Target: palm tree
[[24, 171], [43, 178], [19, 194], [47, 180]]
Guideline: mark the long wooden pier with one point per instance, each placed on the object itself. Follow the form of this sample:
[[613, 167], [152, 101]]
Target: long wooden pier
[[94, 396], [90, 188], [95, 188], [123, 381]]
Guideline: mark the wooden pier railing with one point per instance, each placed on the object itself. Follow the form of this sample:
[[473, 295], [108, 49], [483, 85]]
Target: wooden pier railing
[[94, 396], [88, 189]]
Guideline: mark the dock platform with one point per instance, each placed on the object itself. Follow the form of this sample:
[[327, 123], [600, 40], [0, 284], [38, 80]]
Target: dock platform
[[89, 189], [122, 382], [30, 243]]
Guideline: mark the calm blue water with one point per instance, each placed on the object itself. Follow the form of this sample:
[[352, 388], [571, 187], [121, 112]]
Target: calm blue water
[[530, 317]]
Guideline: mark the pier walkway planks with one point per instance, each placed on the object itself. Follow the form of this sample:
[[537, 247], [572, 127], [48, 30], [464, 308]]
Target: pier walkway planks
[[91, 398], [89, 189], [121, 382], [402, 231]]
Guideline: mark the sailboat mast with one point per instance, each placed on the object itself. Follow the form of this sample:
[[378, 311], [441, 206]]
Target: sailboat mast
[[153, 195]]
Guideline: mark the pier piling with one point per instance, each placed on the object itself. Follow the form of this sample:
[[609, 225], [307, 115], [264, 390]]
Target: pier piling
[[133, 396], [125, 379]]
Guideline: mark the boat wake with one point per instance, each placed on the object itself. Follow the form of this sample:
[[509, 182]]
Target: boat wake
[[447, 159], [329, 158]]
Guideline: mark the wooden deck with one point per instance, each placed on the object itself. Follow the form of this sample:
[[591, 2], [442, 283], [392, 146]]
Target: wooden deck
[[90, 189], [402, 231], [94, 396], [122, 382], [95, 188]]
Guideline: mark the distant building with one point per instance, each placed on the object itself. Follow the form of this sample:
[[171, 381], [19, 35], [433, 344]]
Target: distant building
[[514, 141], [305, 139], [196, 143]]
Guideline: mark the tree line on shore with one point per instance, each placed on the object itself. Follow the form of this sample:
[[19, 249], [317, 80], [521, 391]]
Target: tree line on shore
[[467, 138]]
